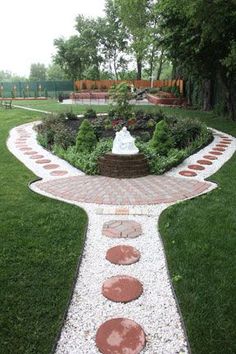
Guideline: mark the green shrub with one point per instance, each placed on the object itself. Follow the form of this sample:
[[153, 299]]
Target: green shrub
[[121, 96], [162, 141], [90, 113], [87, 162], [63, 136], [86, 138], [185, 131]]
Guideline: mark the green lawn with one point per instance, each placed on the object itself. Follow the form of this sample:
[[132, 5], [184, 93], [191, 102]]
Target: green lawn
[[200, 242], [40, 242]]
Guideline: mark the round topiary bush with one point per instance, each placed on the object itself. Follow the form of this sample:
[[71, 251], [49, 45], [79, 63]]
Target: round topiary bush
[[86, 138]]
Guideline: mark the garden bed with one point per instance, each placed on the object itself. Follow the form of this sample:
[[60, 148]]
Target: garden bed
[[169, 101]]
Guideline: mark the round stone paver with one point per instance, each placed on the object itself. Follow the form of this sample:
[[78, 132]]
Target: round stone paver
[[120, 336], [30, 153], [35, 157], [226, 142], [58, 173], [222, 145], [112, 191], [25, 149], [122, 288], [188, 173], [218, 149], [51, 166], [196, 167], [43, 161], [123, 255], [204, 162], [210, 157], [215, 152], [121, 229]]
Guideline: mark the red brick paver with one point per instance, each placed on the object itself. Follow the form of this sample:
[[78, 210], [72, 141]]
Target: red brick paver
[[112, 191]]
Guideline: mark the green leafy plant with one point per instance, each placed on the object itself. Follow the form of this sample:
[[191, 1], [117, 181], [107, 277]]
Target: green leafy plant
[[86, 138], [90, 113], [120, 95]]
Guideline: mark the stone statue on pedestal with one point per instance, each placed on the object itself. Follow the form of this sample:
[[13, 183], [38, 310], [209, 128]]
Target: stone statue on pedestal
[[124, 143]]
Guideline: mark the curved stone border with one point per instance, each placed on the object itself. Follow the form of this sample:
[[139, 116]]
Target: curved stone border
[[156, 311]]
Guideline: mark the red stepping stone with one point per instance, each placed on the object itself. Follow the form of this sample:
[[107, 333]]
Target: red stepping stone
[[120, 336], [58, 173], [188, 173], [25, 149], [30, 152], [43, 161], [121, 229], [227, 141], [36, 157], [209, 157], [215, 152], [204, 162], [218, 149], [51, 166], [123, 254], [122, 288], [196, 167], [222, 145]]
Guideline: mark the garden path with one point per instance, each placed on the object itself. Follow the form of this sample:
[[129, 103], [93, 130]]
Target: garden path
[[123, 300]]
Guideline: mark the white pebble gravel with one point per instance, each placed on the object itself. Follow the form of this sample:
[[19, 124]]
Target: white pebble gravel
[[156, 309]]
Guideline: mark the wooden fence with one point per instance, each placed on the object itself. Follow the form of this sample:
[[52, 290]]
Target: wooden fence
[[106, 84]]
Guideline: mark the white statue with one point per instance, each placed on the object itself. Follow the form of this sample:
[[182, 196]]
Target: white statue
[[124, 144]]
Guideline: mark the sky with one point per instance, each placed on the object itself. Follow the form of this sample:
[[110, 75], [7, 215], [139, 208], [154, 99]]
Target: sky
[[28, 29]]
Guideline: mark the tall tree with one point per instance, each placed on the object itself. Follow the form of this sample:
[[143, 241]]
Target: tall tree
[[199, 36], [68, 56], [113, 39], [37, 72], [135, 16], [55, 72], [88, 33]]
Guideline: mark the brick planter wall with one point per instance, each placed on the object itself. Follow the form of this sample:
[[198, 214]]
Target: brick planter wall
[[170, 101], [123, 166]]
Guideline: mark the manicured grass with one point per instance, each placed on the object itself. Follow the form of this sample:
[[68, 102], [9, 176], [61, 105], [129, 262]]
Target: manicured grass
[[200, 242], [40, 242], [36, 274], [51, 105]]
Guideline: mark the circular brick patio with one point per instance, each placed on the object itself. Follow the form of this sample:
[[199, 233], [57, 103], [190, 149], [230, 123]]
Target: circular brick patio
[[112, 191]]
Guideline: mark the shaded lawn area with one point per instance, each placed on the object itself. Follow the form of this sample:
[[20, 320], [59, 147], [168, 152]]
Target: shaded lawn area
[[200, 242], [40, 242]]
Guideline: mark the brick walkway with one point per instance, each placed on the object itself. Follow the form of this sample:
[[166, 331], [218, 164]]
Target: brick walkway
[[112, 191]]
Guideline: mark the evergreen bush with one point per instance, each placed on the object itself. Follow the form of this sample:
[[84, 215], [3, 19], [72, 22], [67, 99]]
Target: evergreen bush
[[162, 140], [86, 138]]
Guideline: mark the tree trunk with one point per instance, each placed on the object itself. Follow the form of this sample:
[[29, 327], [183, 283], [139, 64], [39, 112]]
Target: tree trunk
[[230, 95], [139, 69], [231, 102], [160, 65], [207, 95], [189, 91]]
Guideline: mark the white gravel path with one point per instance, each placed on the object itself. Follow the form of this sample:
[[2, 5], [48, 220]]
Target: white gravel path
[[156, 310]]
